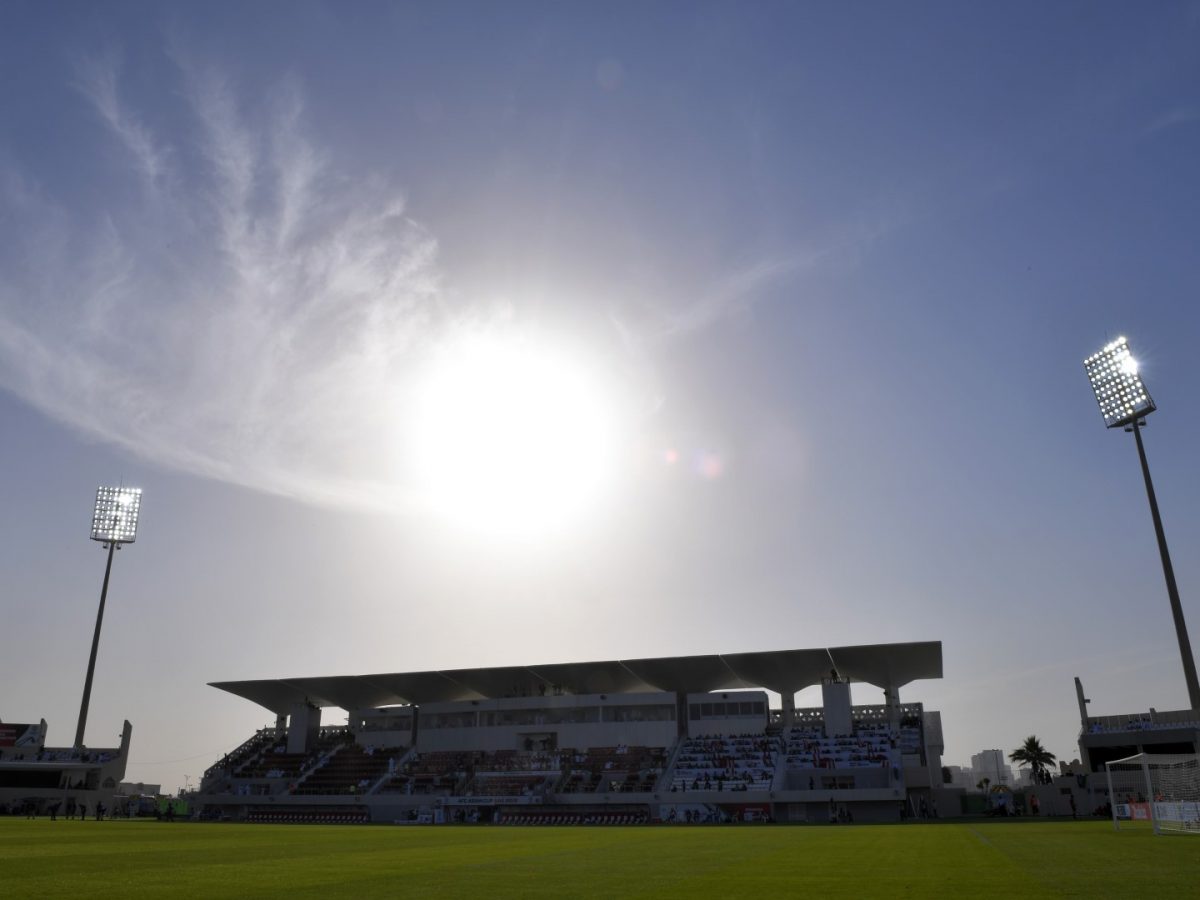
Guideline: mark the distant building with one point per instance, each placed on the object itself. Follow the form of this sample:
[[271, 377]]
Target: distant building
[[990, 764], [962, 777], [129, 788]]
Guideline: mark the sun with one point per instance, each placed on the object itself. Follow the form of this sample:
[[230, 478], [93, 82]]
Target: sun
[[514, 437]]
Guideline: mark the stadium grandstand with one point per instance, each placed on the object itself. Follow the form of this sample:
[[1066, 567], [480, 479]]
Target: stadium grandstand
[[35, 778], [676, 739], [1108, 738]]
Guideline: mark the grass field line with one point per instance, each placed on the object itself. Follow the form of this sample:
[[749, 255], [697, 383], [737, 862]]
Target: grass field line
[[975, 831]]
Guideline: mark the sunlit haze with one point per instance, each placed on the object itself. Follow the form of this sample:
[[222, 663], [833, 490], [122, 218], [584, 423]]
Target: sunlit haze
[[513, 437]]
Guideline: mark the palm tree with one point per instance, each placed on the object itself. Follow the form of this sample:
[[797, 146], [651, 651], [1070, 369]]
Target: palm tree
[[1034, 755]]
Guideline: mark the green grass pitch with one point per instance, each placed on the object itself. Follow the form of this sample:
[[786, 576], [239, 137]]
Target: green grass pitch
[[1019, 859]]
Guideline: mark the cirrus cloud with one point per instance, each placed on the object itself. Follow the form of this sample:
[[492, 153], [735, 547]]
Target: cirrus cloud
[[235, 307]]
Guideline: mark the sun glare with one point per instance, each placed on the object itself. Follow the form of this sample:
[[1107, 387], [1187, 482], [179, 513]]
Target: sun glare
[[513, 438]]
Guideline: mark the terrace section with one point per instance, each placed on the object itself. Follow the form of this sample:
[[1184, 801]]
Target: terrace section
[[876, 756], [619, 769], [35, 774], [270, 768], [435, 774], [744, 762], [251, 748], [350, 769], [1103, 739]]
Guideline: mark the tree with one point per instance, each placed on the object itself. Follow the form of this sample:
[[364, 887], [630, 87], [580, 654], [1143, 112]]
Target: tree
[[1037, 757]]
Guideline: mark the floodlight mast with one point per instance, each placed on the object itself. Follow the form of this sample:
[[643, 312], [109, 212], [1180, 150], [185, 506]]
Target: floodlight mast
[[1125, 402], [114, 523]]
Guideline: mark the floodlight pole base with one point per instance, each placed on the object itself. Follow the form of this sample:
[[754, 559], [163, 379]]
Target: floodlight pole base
[[91, 670], [1185, 645]]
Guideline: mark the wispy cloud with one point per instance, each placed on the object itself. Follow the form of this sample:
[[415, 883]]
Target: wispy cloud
[[1183, 115], [644, 325], [98, 82], [248, 313], [733, 294], [740, 288]]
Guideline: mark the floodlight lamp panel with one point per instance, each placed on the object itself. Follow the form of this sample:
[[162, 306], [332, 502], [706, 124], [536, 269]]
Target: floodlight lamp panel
[[1117, 384], [115, 519]]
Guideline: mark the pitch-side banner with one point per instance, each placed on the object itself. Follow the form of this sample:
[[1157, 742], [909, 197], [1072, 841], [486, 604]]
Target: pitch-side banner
[[1185, 811], [1133, 811]]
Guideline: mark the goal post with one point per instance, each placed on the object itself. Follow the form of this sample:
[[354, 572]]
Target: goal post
[[1159, 789]]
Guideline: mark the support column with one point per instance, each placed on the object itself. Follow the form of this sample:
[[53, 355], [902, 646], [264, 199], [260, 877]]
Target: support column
[[1181, 634], [788, 703], [91, 669], [891, 699]]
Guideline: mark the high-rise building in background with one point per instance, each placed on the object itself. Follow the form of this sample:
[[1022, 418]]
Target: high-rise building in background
[[991, 764]]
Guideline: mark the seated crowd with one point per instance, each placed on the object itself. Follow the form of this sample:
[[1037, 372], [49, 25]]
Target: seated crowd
[[744, 762], [620, 769], [808, 747]]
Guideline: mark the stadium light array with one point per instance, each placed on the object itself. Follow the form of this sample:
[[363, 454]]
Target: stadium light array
[[1124, 401], [1119, 390], [114, 522], [116, 515]]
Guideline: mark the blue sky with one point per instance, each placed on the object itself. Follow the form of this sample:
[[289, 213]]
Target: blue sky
[[845, 260]]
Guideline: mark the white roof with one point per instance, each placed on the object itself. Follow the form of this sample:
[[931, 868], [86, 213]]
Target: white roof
[[782, 671]]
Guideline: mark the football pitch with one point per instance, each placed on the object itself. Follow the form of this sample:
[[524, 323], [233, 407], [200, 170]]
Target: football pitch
[[40, 858]]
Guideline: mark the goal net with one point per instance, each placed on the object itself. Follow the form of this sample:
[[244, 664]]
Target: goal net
[[1158, 789]]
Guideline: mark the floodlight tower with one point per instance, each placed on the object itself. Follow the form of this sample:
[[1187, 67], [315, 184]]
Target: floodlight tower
[[114, 523], [1125, 402]]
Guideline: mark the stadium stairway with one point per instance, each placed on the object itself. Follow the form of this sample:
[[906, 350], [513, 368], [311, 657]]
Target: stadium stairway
[[668, 775], [223, 769], [319, 763], [387, 776]]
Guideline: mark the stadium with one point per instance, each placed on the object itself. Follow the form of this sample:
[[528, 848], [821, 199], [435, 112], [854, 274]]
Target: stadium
[[618, 741], [670, 739], [692, 739], [648, 777]]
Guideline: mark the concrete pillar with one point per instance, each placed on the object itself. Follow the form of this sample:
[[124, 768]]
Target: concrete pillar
[[891, 699], [303, 728], [789, 709], [835, 695]]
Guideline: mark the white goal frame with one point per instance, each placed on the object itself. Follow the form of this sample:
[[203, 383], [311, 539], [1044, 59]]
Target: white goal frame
[[1162, 788]]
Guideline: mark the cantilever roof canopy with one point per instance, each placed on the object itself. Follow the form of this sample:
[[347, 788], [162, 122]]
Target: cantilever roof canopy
[[782, 671]]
